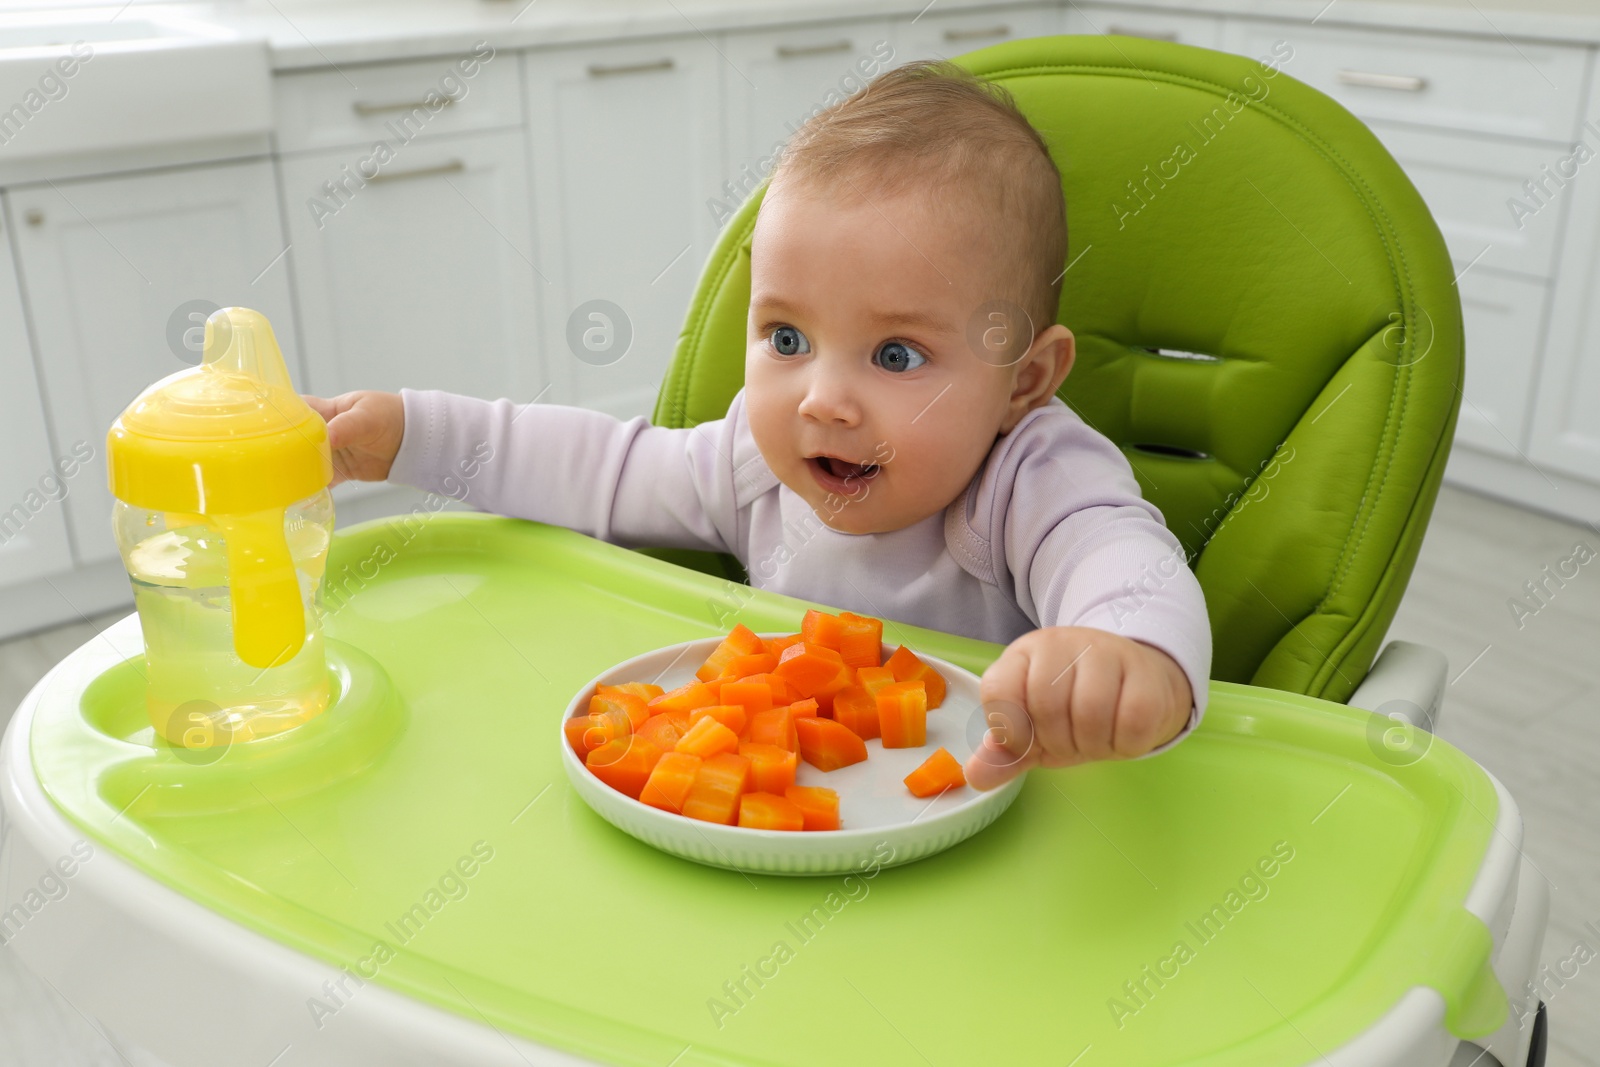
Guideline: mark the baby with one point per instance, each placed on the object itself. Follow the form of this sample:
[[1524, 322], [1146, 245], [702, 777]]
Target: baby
[[898, 448]]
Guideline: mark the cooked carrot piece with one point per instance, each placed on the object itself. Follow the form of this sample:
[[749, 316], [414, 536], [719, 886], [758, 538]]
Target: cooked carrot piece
[[818, 804], [706, 738], [733, 716], [662, 730], [903, 715], [856, 708], [827, 745], [585, 733], [748, 693], [627, 703], [860, 640], [624, 764], [907, 667], [643, 690], [810, 667], [772, 768], [721, 781], [767, 811], [782, 691], [938, 772], [775, 726], [741, 641], [873, 679], [669, 783], [821, 628], [685, 698], [776, 645], [803, 708], [744, 666]]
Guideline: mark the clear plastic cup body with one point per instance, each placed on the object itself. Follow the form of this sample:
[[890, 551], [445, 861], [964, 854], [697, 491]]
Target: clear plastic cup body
[[199, 693]]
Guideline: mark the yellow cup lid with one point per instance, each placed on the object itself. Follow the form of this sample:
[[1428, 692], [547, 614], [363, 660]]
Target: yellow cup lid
[[229, 436]]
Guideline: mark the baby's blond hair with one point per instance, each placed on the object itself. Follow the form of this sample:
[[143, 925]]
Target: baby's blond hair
[[929, 125]]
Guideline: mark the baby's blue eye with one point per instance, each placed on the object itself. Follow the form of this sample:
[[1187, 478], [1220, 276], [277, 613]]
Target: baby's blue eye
[[897, 357], [788, 341]]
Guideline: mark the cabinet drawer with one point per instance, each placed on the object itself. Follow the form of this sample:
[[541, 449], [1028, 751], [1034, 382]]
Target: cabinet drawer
[[940, 36], [1503, 318], [1204, 31], [1475, 191], [1481, 85], [396, 102]]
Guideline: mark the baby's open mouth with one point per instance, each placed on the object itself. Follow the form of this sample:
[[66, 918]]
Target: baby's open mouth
[[843, 470]]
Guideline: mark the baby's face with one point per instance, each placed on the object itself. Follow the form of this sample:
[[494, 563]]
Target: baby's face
[[863, 391]]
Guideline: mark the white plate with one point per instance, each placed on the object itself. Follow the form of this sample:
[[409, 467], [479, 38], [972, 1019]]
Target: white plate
[[882, 823]]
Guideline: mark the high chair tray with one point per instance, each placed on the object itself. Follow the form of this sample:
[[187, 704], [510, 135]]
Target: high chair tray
[[1275, 890]]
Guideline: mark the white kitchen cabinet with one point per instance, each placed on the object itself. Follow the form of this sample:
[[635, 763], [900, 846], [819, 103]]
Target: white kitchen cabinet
[[1158, 25], [1503, 318], [423, 276], [776, 79], [33, 528], [626, 157], [108, 266], [1565, 435], [945, 34]]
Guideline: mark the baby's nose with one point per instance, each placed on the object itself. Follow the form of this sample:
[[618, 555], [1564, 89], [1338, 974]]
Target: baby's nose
[[830, 398]]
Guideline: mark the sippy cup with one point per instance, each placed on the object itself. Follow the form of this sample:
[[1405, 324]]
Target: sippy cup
[[223, 519]]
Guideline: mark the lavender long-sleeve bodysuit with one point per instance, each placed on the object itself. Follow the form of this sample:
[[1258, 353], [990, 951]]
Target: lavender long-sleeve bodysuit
[[1052, 530]]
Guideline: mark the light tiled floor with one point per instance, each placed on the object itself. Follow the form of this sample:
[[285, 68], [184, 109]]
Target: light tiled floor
[[1524, 702]]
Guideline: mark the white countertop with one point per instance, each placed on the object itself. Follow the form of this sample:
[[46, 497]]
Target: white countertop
[[323, 33]]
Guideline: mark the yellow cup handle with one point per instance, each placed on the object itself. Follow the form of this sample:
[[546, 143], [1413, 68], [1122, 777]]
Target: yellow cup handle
[[269, 623]]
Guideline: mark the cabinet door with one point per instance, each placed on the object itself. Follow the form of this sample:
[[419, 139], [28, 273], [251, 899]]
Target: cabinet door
[[945, 35], [1566, 412], [1503, 318], [112, 268], [424, 275], [626, 158], [776, 79], [33, 529]]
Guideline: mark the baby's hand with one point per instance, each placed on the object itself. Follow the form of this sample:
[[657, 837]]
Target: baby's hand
[[1070, 694], [364, 431]]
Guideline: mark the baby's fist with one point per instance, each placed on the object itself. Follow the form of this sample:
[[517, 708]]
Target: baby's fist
[[1070, 694], [364, 432]]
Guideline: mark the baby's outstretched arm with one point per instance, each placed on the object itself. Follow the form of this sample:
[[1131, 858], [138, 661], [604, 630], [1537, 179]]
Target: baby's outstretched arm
[[1069, 694]]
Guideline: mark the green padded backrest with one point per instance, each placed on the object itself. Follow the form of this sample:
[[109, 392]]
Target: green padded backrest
[[1217, 212]]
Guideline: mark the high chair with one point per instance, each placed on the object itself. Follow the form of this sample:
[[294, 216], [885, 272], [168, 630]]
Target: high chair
[[1266, 325]]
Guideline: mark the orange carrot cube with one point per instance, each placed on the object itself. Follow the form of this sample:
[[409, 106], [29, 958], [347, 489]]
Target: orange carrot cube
[[903, 715], [907, 667], [721, 781], [643, 690], [748, 693], [828, 745], [741, 641], [782, 691], [767, 811], [772, 768], [857, 709], [775, 726], [669, 783], [820, 628], [585, 733], [627, 703], [744, 666], [706, 738], [938, 773], [873, 679], [733, 716], [818, 804], [685, 698], [803, 708], [860, 640], [624, 764], [663, 731]]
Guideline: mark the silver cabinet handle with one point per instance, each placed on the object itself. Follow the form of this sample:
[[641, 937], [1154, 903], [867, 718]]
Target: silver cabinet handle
[[1406, 83], [603, 70], [33, 217], [1001, 30], [790, 51], [455, 166], [412, 105], [1154, 35]]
